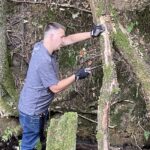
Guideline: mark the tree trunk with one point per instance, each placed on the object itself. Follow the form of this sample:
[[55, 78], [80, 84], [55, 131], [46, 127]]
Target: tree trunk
[[61, 134], [8, 95], [110, 85], [121, 43]]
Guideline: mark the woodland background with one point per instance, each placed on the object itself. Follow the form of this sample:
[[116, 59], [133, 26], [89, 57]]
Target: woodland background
[[21, 25]]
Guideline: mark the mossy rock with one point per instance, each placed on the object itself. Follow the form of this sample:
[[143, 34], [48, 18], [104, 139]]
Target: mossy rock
[[62, 132]]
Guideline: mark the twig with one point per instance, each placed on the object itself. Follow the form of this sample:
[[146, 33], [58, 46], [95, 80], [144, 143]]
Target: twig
[[53, 4], [94, 112], [72, 6], [136, 142], [112, 127], [128, 101], [26, 1], [87, 118], [140, 126]]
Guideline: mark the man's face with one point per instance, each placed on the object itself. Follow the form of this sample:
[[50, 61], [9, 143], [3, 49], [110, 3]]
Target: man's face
[[57, 39]]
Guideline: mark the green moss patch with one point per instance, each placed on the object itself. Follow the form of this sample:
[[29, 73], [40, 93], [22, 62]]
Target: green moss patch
[[62, 132], [138, 65]]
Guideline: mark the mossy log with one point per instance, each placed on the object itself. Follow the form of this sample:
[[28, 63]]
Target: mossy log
[[109, 79], [61, 134], [136, 62], [8, 95]]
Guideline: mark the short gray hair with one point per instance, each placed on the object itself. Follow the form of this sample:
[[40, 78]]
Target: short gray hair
[[53, 26]]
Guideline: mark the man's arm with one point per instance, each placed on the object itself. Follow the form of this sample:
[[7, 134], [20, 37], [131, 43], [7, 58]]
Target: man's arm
[[82, 73], [95, 32], [63, 84], [73, 38]]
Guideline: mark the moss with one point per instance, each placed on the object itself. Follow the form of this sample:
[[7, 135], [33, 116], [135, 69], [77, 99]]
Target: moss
[[6, 108], [115, 90], [121, 40], [108, 72], [11, 95], [9, 132], [114, 14], [8, 83], [100, 8], [99, 135], [38, 145], [62, 132], [108, 75]]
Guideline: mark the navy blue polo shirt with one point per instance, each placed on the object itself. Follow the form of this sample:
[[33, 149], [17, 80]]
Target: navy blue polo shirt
[[42, 73]]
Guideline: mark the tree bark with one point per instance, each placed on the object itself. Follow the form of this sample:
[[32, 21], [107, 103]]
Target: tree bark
[[110, 85], [8, 95], [61, 134]]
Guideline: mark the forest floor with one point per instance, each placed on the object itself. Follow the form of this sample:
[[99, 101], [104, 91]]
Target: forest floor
[[13, 144]]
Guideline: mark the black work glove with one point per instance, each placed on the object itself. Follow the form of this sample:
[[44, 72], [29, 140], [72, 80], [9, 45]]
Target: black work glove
[[82, 73], [97, 30]]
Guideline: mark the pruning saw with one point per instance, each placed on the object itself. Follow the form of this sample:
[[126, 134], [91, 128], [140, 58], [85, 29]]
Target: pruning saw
[[92, 68]]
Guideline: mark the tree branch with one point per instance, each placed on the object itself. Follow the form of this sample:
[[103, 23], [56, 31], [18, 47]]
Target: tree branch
[[65, 5]]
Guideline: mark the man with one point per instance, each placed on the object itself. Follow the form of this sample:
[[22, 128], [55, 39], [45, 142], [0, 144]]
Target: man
[[42, 81]]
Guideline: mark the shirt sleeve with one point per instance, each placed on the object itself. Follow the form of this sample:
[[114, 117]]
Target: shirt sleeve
[[47, 74]]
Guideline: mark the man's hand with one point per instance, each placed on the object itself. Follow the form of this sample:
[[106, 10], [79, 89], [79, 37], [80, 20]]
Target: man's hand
[[97, 30], [82, 73]]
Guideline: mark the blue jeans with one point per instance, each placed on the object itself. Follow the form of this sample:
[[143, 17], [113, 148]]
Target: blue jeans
[[33, 129]]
